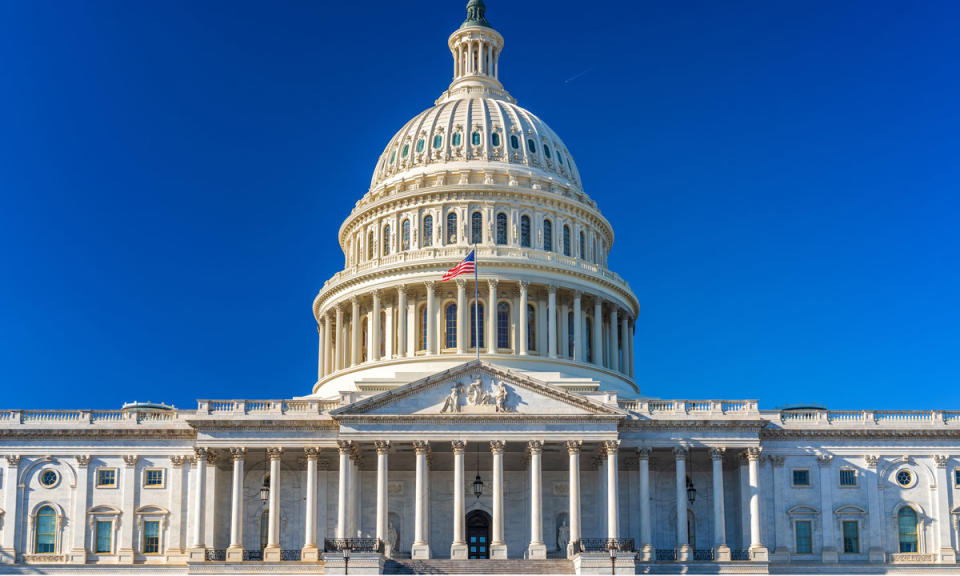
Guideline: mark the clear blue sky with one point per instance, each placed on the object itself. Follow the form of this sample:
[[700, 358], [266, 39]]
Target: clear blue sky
[[782, 178]]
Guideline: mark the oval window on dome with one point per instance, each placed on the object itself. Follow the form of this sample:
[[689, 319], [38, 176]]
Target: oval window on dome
[[456, 139], [393, 156], [475, 138], [420, 145], [546, 151], [495, 138], [437, 141], [514, 141], [560, 158], [405, 151], [531, 146]]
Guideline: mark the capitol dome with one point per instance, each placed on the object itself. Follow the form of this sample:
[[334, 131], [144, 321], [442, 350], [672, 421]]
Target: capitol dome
[[475, 172]]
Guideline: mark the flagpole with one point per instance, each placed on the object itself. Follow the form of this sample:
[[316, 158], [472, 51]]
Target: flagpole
[[476, 302]]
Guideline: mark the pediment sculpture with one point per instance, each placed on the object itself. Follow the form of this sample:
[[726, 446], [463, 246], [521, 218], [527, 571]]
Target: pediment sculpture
[[478, 399]]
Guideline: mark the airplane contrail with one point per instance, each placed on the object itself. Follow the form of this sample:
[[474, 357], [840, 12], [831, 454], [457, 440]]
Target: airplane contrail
[[575, 76]]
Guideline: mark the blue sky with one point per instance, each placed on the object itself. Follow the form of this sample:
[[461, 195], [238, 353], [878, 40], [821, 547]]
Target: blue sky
[[782, 178]]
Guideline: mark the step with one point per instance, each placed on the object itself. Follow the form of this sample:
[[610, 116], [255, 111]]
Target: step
[[511, 566]]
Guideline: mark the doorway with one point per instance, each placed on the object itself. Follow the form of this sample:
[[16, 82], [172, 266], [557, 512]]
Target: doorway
[[478, 535]]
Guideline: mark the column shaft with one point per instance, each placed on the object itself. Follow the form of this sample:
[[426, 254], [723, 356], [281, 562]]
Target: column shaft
[[683, 542], [235, 553], [492, 328], [498, 546], [421, 548], [613, 521], [597, 344], [458, 550], [552, 321], [722, 552], [356, 354], [200, 477], [577, 328], [431, 320], [646, 543], [383, 448], [401, 321], [374, 351], [523, 318], [573, 450], [614, 340], [310, 550], [757, 551], [272, 552], [338, 340], [342, 504], [537, 548]]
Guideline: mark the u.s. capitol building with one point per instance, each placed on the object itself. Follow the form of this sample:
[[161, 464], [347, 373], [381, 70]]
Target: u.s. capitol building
[[414, 452]]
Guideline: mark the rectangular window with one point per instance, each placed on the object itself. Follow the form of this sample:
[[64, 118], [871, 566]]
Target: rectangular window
[[956, 477], [801, 477], [151, 537], [851, 537], [106, 477], [804, 537], [153, 478], [848, 477], [104, 537]]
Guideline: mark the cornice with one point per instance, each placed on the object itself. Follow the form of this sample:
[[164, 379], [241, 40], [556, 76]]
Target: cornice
[[753, 426], [152, 434], [852, 433]]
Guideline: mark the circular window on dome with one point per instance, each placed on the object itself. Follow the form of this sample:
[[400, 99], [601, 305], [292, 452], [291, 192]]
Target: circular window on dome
[[906, 478], [457, 138], [49, 478], [437, 141], [495, 138], [405, 151]]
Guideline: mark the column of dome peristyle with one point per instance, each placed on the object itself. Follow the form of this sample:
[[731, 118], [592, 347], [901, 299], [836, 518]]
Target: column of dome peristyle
[[476, 52]]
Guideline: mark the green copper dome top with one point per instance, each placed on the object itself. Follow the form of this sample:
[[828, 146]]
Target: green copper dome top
[[476, 10]]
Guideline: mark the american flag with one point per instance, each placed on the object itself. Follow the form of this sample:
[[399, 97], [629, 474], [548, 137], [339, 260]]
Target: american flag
[[466, 266]]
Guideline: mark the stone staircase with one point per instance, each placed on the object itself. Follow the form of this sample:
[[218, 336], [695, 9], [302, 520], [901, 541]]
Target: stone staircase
[[517, 566]]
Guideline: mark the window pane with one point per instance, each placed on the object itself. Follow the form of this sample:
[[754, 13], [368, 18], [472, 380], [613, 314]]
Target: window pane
[[851, 537], [428, 230], [532, 146], [451, 321], [525, 231], [804, 540], [514, 142], [495, 137], [547, 235], [801, 477], [386, 240], [476, 228], [437, 141], [501, 228], [476, 316], [405, 235], [456, 139], [452, 228], [151, 537], [104, 536], [46, 531], [566, 240], [503, 325], [848, 477], [476, 138], [907, 526]]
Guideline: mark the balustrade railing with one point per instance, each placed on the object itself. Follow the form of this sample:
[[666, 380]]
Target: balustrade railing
[[867, 417], [603, 545], [703, 555], [265, 407], [668, 408], [668, 555], [740, 555], [218, 555], [353, 545]]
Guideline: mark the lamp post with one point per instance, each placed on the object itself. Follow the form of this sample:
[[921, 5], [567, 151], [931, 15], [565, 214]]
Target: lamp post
[[612, 549]]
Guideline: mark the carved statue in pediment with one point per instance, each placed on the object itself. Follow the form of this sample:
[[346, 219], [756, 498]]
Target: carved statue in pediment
[[475, 394], [452, 402], [500, 396]]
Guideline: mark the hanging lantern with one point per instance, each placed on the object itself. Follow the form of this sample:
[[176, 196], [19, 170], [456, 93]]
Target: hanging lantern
[[265, 492], [478, 487], [691, 492]]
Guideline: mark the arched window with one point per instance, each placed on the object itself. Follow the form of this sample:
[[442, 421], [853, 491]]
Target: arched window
[[546, 151], [531, 146], [386, 240], [495, 139], [588, 339], [420, 145], [476, 138], [476, 317], [547, 235], [531, 328], [423, 328], [566, 240], [264, 529], [570, 333], [583, 246], [438, 141], [452, 228], [514, 141], [370, 252], [503, 325], [501, 228], [427, 231], [457, 137], [450, 318], [525, 231], [907, 530], [476, 228], [405, 235], [45, 531]]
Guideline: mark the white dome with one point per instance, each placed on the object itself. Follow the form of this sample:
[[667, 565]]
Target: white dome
[[476, 129]]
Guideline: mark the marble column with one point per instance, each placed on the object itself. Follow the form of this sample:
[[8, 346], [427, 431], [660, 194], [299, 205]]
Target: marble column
[[577, 328], [524, 321], [310, 551], [721, 550], [197, 546], [870, 482], [338, 340], [458, 550], [757, 550], [461, 314], [573, 450], [8, 553], [402, 321], [78, 555], [383, 497], [683, 544], [552, 321], [498, 544], [624, 339], [272, 552], [563, 341], [320, 358], [647, 552], [614, 340], [597, 344], [356, 347], [175, 540], [492, 317], [374, 350], [235, 551], [421, 546], [353, 514], [344, 448], [431, 319], [947, 554], [611, 447], [537, 549]]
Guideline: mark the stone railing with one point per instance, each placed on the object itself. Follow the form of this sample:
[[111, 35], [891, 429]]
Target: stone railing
[[894, 418], [95, 417], [309, 406], [911, 558], [672, 408]]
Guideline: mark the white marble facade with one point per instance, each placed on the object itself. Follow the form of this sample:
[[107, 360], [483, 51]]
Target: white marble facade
[[405, 413]]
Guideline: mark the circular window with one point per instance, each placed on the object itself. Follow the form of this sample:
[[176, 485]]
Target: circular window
[[49, 478], [906, 478]]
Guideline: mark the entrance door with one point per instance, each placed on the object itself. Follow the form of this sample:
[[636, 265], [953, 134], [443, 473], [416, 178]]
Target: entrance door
[[478, 535]]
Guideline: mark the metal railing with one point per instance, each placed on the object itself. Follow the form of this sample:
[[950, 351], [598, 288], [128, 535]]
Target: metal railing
[[740, 555], [668, 555], [704, 555], [353, 545], [215, 555], [603, 545]]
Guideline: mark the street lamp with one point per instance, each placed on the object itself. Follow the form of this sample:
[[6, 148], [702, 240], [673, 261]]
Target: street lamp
[[612, 549]]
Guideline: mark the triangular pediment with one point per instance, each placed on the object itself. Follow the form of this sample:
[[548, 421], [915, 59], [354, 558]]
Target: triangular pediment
[[477, 388]]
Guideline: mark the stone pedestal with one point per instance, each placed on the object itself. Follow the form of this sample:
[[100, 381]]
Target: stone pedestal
[[828, 556], [596, 563], [948, 556], [759, 554], [310, 554], [722, 554], [647, 553], [780, 554], [197, 554], [235, 554], [125, 556], [364, 563], [271, 554], [684, 553], [420, 551], [498, 551], [459, 552], [77, 556], [537, 551]]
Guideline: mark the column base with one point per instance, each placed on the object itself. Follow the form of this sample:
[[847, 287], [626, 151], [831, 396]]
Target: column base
[[537, 551], [8, 556], [948, 556], [458, 551], [125, 556], [197, 554], [420, 551], [235, 554], [780, 554], [684, 553], [310, 553], [721, 553], [498, 551], [647, 553], [759, 554], [876, 555], [272, 554], [830, 556]]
